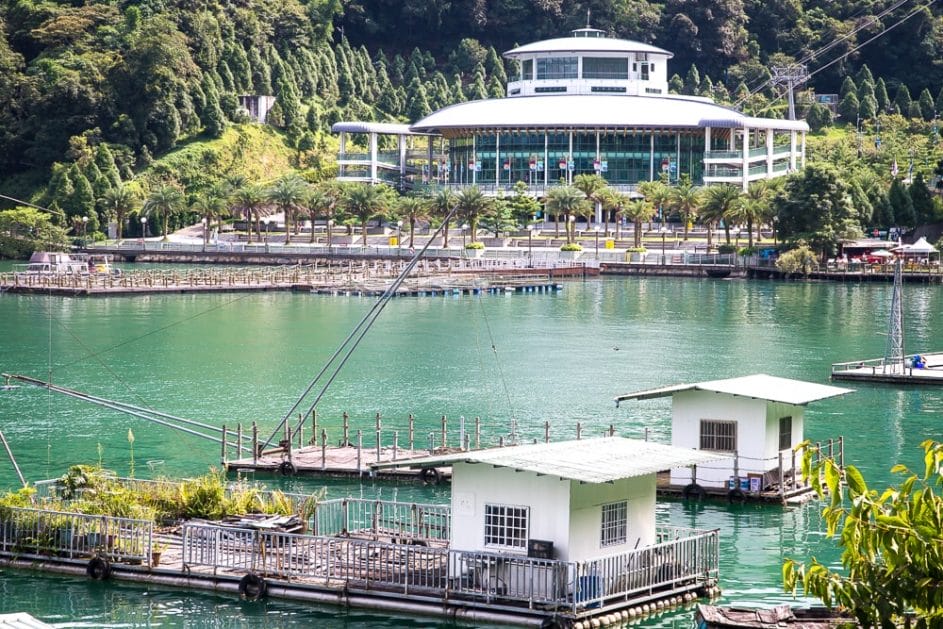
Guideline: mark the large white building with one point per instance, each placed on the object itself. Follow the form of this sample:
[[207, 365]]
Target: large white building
[[586, 103]]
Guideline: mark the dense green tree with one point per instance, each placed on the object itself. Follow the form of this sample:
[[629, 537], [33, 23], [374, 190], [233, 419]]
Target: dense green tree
[[417, 107], [902, 99], [82, 200], [714, 34], [922, 200], [848, 87], [477, 90], [890, 540], [288, 195], [880, 93], [639, 211], [692, 81], [118, 204], [494, 67], [24, 230], [675, 85], [848, 108], [927, 106], [719, 204], [684, 198], [566, 202], [815, 207], [818, 117], [868, 107], [365, 202], [443, 205], [472, 204], [902, 204]]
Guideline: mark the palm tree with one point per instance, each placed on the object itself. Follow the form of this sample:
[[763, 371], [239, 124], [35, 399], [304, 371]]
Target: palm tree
[[592, 186], [568, 201], [472, 203], [719, 203], [364, 202], [658, 194], [288, 195], [250, 201], [639, 210], [163, 203], [412, 209], [209, 206], [753, 207], [322, 202], [442, 204], [685, 199], [119, 203]]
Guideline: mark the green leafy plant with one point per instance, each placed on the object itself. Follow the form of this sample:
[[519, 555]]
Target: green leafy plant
[[798, 261], [571, 246], [635, 250], [475, 245], [725, 248]]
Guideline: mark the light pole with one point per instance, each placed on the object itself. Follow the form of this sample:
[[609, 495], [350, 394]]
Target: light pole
[[203, 222], [571, 227], [144, 232], [530, 237], [265, 222], [84, 231], [330, 224], [464, 229], [664, 232], [596, 230], [399, 238]]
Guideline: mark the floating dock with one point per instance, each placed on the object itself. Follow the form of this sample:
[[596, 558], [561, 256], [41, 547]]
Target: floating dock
[[892, 372]]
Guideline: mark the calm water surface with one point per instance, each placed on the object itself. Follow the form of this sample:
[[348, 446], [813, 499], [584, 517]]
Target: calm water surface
[[535, 357]]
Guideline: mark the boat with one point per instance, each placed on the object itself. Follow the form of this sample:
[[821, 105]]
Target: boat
[[731, 617], [53, 263]]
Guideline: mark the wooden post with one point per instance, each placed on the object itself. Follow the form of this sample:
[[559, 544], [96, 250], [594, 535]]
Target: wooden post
[[579, 431], [223, 445], [378, 422], [547, 431], [501, 442], [445, 424], [841, 445], [255, 443], [239, 440], [359, 449], [323, 449], [314, 424], [782, 483], [612, 430], [466, 443], [395, 444], [736, 469], [346, 430], [793, 463], [694, 474], [831, 453], [646, 433], [477, 433], [412, 426], [431, 442], [379, 446], [301, 431]]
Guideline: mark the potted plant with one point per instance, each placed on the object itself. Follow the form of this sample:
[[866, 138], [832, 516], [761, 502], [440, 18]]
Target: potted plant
[[157, 549], [570, 251], [475, 249]]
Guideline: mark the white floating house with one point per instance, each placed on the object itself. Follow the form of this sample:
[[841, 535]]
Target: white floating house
[[572, 524], [753, 421]]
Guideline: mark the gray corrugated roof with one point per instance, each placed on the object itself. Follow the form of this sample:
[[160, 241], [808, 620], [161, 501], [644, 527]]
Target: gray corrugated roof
[[759, 386], [594, 111], [586, 44], [21, 620], [599, 460], [388, 128]]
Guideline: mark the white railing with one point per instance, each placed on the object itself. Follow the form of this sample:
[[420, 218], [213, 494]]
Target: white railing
[[379, 518], [682, 559], [41, 533]]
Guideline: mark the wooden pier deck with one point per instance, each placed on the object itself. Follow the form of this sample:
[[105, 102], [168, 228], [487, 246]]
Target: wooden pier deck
[[875, 370]]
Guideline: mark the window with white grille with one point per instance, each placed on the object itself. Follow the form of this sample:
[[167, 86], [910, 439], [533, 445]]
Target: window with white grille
[[506, 526], [718, 435], [615, 517]]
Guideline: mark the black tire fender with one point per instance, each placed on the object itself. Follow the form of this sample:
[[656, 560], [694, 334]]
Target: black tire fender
[[287, 468], [693, 491], [252, 587], [430, 476], [736, 495], [98, 568]]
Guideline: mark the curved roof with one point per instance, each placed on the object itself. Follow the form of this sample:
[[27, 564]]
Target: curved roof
[[386, 128], [586, 44], [593, 111]]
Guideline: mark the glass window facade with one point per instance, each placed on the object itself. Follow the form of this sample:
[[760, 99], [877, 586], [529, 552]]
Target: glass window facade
[[605, 68], [527, 69], [557, 68]]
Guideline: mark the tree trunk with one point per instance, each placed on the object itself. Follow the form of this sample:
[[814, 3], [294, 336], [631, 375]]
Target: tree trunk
[[363, 231], [412, 230], [288, 219], [709, 235], [750, 232], [727, 230], [445, 235], [638, 233]]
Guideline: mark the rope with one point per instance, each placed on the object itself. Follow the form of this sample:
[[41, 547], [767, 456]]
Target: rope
[[497, 361]]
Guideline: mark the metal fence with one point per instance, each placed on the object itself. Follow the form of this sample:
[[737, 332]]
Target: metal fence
[[682, 559], [43, 533], [378, 518]]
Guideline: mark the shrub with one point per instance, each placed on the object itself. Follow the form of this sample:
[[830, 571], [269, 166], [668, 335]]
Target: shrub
[[636, 250], [725, 248], [748, 251], [475, 245], [571, 247], [800, 260]]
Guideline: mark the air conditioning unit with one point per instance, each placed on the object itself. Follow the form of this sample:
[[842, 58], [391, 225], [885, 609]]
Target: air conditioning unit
[[540, 549]]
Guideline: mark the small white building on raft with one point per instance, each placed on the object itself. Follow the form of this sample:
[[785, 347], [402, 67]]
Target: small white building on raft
[[754, 421], [572, 520]]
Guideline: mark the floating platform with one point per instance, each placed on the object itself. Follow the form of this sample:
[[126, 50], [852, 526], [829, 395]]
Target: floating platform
[[877, 370]]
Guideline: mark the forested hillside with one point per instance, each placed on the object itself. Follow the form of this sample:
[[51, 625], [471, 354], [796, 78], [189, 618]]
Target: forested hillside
[[91, 93]]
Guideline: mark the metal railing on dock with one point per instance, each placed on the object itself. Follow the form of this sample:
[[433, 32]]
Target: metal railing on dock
[[376, 518]]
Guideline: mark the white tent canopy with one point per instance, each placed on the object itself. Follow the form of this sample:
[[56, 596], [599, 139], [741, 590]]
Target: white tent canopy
[[919, 248]]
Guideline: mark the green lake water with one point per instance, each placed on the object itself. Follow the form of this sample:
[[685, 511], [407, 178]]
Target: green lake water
[[532, 357]]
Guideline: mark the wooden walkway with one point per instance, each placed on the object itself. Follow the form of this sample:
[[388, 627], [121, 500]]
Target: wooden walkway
[[874, 370]]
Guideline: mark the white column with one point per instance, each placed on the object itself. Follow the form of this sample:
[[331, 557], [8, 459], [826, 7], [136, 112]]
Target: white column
[[769, 153], [803, 149], [402, 156], [569, 160], [792, 151], [373, 157], [342, 168], [598, 159], [474, 171], [546, 157], [497, 159], [429, 157], [733, 140], [707, 139], [651, 156], [746, 159]]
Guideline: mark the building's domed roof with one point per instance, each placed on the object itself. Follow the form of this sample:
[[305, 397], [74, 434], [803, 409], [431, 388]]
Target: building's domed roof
[[586, 44], [594, 112]]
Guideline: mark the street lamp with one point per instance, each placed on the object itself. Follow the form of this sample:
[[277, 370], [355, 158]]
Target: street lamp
[[464, 229], [84, 231], [530, 237], [596, 230], [203, 222], [144, 232], [664, 232], [571, 227], [399, 237]]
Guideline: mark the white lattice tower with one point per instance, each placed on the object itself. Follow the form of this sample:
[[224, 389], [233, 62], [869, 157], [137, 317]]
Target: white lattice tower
[[894, 350], [790, 76]]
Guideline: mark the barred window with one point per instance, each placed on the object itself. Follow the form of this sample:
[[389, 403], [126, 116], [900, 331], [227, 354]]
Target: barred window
[[785, 433], [614, 523], [506, 526], [718, 435]]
